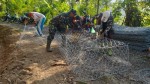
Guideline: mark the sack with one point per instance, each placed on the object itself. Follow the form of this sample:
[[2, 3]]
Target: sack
[[92, 30]]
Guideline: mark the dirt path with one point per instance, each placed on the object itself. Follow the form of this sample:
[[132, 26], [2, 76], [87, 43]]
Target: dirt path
[[35, 65]]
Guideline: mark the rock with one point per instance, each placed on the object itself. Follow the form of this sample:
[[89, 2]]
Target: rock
[[28, 68], [79, 82], [59, 63], [25, 72], [5, 81], [21, 81]]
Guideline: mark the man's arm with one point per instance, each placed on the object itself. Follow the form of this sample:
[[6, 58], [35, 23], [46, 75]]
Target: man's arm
[[109, 23]]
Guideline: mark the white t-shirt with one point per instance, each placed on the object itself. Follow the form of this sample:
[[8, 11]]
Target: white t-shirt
[[37, 16]]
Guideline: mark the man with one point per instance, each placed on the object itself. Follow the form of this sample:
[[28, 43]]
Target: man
[[106, 24], [87, 23], [39, 20], [62, 23]]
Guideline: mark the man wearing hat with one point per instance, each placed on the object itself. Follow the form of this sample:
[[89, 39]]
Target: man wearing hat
[[106, 23]]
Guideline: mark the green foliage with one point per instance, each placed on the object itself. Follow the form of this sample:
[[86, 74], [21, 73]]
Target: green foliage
[[133, 15], [138, 11], [145, 12], [134, 11]]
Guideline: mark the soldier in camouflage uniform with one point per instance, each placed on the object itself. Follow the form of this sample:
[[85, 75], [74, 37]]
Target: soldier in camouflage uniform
[[105, 19], [61, 23], [107, 23], [87, 23]]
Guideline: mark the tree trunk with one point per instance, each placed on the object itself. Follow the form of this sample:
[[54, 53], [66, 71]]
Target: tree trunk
[[133, 17], [97, 6]]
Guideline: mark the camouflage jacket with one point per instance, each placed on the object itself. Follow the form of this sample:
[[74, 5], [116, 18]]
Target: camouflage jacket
[[109, 23], [63, 20]]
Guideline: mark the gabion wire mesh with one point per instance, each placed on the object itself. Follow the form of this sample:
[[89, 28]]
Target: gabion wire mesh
[[142, 75], [136, 37], [92, 58]]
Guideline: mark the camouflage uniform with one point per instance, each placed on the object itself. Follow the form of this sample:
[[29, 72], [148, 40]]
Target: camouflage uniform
[[87, 23], [107, 27], [61, 23]]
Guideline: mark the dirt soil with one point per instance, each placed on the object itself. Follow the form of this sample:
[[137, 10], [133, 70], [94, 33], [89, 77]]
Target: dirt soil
[[8, 37], [31, 64], [26, 61]]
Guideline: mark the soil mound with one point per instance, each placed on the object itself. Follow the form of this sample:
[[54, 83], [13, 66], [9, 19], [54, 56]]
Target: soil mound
[[8, 39]]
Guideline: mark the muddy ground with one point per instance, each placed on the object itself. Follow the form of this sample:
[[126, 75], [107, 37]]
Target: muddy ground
[[26, 61]]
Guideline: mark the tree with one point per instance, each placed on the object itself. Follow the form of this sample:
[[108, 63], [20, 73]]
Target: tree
[[137, 11], [133, 12], [133, 15]]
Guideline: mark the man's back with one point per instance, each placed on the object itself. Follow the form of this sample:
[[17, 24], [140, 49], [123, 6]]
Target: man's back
[[59, 19]]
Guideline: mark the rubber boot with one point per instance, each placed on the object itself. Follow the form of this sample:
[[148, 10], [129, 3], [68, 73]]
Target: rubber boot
[[48, 46], [63, 40]]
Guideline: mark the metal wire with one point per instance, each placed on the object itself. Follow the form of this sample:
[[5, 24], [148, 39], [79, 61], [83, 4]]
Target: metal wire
[[90, 58]]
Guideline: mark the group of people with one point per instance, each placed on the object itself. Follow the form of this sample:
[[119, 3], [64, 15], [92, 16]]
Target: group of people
[[71, 21]]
